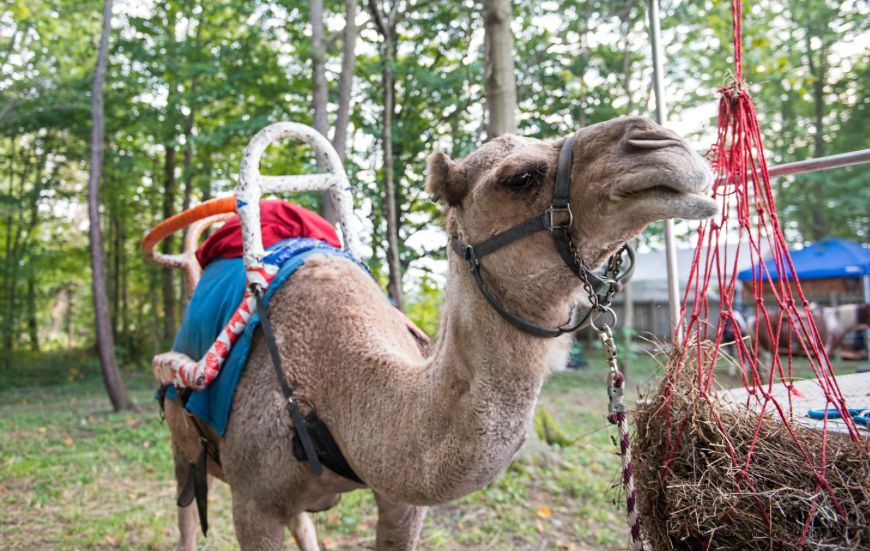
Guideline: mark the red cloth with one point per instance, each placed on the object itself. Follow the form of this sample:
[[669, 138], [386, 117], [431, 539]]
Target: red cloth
[[279, 220]]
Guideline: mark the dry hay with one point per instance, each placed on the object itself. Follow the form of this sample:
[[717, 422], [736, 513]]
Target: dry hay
[[697, 503]]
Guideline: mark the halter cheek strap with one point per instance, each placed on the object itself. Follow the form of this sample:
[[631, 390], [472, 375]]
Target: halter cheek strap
[[557, 219]]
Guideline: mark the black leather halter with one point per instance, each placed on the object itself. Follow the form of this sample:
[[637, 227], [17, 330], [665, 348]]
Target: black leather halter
[[557, 219]]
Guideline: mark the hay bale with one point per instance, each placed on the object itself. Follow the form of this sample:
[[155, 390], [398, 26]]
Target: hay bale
[[698, 501]]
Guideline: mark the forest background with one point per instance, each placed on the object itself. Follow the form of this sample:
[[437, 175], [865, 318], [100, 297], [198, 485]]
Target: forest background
[[188, 83]]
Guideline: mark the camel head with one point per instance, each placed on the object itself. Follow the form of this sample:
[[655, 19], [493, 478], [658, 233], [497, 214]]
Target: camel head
[[625, 174]]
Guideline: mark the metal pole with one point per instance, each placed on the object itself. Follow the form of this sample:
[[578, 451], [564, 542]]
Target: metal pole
[[866, 282], [655, 32], [822, 163]]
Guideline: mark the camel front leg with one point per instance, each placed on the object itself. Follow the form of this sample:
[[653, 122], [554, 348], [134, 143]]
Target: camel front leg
[[399, 525], [302, 528]]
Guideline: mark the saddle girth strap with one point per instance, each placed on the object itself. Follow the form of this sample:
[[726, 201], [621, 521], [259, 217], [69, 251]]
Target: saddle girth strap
[[312, 441]]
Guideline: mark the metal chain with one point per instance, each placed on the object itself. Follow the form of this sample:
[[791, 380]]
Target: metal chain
[[611, 272]]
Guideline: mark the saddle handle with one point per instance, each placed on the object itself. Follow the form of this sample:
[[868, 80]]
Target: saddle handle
[[252, 185], [205, 214], [192, 269]]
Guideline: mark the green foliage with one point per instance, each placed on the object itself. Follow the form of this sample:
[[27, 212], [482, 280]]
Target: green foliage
[[424, 305], [200, 78], [549, 430], [808, 77]]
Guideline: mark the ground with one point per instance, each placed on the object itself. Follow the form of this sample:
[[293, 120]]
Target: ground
[[74, 475]]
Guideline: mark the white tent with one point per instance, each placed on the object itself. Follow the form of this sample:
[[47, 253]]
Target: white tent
[[649, 286]]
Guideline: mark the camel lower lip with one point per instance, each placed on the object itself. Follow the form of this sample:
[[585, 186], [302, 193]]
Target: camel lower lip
[[670, 203], [659, 191]]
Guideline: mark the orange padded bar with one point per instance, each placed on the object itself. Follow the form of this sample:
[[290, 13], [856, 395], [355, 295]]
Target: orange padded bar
[[183, 219]]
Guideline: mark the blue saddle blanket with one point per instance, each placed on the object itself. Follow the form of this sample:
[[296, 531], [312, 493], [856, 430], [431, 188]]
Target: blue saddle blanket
[[217, 296]]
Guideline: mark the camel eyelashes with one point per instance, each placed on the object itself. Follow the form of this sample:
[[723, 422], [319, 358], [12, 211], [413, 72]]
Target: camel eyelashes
[[525, 179]]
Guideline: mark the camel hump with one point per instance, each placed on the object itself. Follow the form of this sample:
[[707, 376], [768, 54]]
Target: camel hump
[[346, 300]]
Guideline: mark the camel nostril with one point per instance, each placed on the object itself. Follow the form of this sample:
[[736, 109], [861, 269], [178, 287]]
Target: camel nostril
[[652, 143]]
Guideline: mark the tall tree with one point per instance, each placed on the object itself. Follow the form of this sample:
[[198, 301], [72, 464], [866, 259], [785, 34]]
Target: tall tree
[[345, 82], [105, 340], [320, 91], [386, 25], [167, 246], [501, 88]]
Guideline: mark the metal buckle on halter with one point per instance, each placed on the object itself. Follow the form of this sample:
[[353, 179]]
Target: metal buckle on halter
[[470, 257], [550, 212]]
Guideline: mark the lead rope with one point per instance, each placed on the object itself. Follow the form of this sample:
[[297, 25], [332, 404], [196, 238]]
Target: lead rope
[[617, 416], [615, 389]]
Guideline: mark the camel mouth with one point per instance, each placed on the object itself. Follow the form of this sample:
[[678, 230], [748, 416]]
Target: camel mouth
[[658, 181], [671, 203], [669, 195]]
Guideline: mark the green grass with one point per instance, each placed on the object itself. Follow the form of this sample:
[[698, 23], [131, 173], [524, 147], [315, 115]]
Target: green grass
[[74, 475]]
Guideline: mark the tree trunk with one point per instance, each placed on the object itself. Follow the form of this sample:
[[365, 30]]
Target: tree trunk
[[105, 341], [819, 226], [7, 292], [70, 310], [166, 246], [395, 284], [320, 96], [117, 245], [32, 324], [206, 178], [154, 298], [584, 61], [501, 87], [625, 23], [345, 83], [125, 312], [388, 51], [187, 193]]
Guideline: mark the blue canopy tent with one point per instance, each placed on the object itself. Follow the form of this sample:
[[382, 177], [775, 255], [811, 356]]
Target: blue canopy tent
[[827, 258]]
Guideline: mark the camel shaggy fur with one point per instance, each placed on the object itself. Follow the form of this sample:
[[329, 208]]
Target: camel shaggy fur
[[423, 431]]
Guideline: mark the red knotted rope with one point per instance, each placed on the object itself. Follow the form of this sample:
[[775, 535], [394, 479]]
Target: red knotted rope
[[749, 217]]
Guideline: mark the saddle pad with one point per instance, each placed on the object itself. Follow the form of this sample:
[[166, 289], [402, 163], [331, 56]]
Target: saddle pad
[[214, 301]]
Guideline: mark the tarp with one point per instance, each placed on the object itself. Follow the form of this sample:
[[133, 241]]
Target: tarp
[[827, 258]]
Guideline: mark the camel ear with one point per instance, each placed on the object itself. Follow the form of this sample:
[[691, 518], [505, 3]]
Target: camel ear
[[445, 179]]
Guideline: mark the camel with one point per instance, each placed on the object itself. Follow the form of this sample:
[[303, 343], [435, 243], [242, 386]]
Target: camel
[[421, 431]]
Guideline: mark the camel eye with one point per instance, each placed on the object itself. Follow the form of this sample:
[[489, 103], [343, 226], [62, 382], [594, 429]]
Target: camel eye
[[524, 180]]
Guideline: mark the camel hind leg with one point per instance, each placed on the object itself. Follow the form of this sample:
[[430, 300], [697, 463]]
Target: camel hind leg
[[188, 519], [304, 533], [399, 525]]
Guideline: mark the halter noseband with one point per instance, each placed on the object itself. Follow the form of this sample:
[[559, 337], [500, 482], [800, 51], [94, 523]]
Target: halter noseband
[[557, 219]]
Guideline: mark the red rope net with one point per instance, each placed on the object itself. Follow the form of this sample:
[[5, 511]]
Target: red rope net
[[749, 222]]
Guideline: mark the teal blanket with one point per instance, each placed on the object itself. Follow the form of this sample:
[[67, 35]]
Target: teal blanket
[[215, 299]]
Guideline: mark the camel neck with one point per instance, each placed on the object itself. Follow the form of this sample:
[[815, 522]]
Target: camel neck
[[484, 381]]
